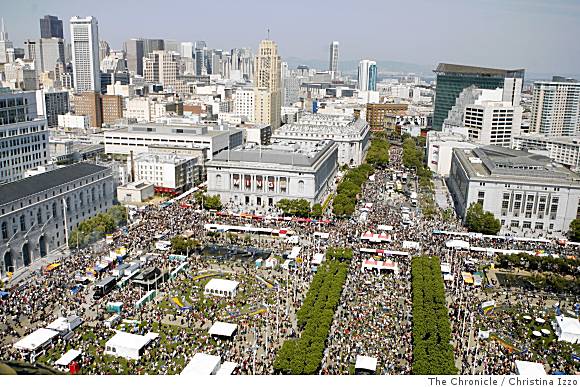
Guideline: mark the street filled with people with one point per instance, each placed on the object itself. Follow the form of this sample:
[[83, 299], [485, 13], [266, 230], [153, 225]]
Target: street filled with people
[[374, 317]]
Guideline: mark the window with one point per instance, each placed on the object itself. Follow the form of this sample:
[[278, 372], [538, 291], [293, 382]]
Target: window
[[527, 225], [515, 223], [4, 230], [539, 226], [39, 216], [300, 186], [22, 223], [54, 210], [218, 181]]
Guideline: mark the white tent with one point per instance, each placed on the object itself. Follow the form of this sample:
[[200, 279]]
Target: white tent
[[457, 244], [221, 287], [63, 325], [295, 252], [323, 235], [411, 245], [37, 339], [68, 357], [128, 345], [317, 259], [567, 329], [383, 227], [224, 329], [528, 368], [366, 363], [227, 368], [202, 364]]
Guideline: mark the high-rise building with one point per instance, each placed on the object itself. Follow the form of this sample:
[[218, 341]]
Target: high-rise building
[[112, 108], [23, 135], [150, 45], [104, 50], [85, 53], [367, 75], [333, 63], [135, 52], [161, 67], [268, 96], [452, 79], [556, 107], [89, 103], [51, 54], [200, 60], [55, 103], [51, 27], [5, 44], [244, 103]]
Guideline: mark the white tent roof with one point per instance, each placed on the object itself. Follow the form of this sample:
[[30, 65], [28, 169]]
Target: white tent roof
[[220, 328], [201, 364], [222, 284], [317, 259], [568, 325], [457, 244], [130, 340], [528, 368], [227, 368], [60, 324], [68, 357], [36, 339], [366, 363]]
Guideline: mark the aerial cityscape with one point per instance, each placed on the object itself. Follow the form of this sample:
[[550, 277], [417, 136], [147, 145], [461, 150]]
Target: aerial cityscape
[[173, 206]]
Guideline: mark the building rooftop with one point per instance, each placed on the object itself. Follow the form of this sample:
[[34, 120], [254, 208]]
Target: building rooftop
[[35, 184], [448, 68], [567, 140], [503, 163], [175, 129], [324, 124], [166, 158], [279, 152]]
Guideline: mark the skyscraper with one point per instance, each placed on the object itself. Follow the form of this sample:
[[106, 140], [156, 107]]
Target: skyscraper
[[5, 44], [51, 54], [104, 50], [161, 67], [333, 63], [453, 79], [367, 75], [556, 107], [268, 96], [51, 27], [135, 52], [85, 53]]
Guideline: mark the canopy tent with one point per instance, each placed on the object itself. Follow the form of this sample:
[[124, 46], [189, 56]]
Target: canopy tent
[[202, 364], [295, 252], [567, 329], [384, 252], [411, 245], [322, 235], [467, 277], [128, 345], [37, 339], [376, 238], [68, 357], [528, 368], [366, 363], [223, 329], [383, 227], [457, 244], [370, 264], [227, 368], [64, 325], [221, 287], [317, 259], [445, 267]]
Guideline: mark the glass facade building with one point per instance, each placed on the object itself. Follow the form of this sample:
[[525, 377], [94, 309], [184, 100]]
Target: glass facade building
[[452, 79]]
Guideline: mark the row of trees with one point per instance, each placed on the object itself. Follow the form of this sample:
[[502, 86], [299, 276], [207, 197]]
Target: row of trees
[[432, 351], [339, 253], [563, 266], [303, 356], [208, 202], [413, 156], [347, 191], [299, 207], [558, 284], [575, 230], [95, 228], [183, 246], [378, 154], [477, 220]]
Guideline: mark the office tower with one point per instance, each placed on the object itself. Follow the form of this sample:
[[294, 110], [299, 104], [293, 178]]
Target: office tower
[[150, 45], [244, 103], [5, 44], [112, 108], [187, 50], [556, 107], [51, 54], [453, 79], [51, 27], [367, 75], [172, 45], [200, 60], [31, 50], [55, 103], [89, 103], [333, 63], [104, 50], [161, 67], [85, 53], [23, 135], [135, 52], [268, 98]]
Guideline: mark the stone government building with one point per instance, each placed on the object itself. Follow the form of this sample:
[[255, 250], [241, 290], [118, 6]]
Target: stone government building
[[33, 211]]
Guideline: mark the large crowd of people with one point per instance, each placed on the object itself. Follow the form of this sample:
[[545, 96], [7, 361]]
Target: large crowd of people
[[374, 317]]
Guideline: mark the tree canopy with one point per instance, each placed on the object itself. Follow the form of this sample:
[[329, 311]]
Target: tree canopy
[[477, 220]]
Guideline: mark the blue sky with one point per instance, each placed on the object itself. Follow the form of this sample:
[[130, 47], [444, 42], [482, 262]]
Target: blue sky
[[541, 36]]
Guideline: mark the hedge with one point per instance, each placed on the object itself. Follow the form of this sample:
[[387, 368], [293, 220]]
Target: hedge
[[432, 351]]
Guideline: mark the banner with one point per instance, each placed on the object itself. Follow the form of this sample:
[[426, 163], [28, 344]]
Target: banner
[[236, 180], [271, 183], [282, 184], [487, 307], [247, 181], [259, 182]]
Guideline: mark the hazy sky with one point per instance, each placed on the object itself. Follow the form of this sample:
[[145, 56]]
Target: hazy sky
[[538, 35]]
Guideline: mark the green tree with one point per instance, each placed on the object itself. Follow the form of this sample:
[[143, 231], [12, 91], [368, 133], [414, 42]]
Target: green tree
[[316, 210], [575, 230], [477, 220], [212, 202]]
